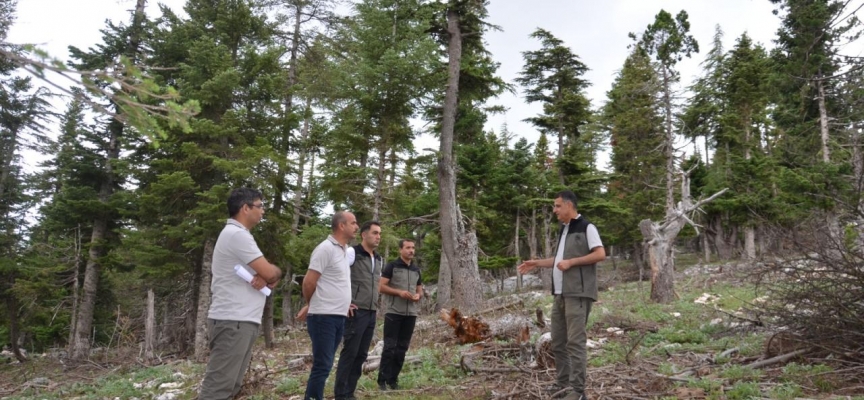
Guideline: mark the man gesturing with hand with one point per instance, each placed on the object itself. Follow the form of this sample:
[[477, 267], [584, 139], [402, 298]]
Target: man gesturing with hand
[[574, 285]]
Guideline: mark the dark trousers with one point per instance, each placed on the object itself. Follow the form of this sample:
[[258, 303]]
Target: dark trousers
[[230, 352], [359, 330], [326, 333], [397, 337]]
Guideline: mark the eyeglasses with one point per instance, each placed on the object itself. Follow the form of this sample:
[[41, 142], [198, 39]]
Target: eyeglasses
[[261, 206]]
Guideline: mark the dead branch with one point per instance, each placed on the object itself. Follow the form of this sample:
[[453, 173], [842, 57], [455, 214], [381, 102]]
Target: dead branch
[[778, 359], [752, 321], [501, 307]]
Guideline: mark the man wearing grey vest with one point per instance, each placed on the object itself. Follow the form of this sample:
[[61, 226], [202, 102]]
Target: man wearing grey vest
[[366, 266], [402, 288], [574, 285]]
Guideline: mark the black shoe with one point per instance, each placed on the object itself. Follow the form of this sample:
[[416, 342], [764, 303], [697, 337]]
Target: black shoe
[[382, 386], [394, 386]]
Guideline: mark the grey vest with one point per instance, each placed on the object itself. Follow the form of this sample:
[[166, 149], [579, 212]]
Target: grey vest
[[364, 281], [578, 281], [403, 279]]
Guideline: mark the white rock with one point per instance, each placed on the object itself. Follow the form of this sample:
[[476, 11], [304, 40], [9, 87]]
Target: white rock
[[178, 375], [716, 321], [170, 385], [676, 314], [706, 298], [169, 395], [615, 330]]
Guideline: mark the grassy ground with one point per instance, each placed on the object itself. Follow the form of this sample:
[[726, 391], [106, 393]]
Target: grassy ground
[[663, 351]]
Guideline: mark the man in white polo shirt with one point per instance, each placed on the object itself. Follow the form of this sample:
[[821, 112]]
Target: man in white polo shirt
[[327, 291], [237, 305]]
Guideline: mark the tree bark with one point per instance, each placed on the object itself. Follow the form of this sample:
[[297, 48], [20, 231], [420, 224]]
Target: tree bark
[[546, 273], [380, 179], [201, 334], [12, 314], [823, 122], [749, 243], [458, 242], [445, 280], [669, 145], [516, 250], [267, 322], [75, 288], [150, 326]]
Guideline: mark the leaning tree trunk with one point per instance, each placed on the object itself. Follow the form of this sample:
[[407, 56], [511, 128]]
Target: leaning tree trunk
[[458, 241], [201, 334], [84, 320], [12, 313], [660, 238]]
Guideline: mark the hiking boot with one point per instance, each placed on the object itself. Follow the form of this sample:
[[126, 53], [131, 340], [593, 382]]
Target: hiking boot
[[394, 386], [382, 386]]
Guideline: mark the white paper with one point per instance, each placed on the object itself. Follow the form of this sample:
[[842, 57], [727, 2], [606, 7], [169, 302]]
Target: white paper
[[243, 273], [350, 254]]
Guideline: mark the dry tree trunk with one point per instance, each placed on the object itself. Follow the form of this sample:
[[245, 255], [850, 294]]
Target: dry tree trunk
[[458, 242], [149, 326], [660, 238], [201, 334]]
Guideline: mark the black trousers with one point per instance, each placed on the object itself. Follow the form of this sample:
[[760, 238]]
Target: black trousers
[[359, 330], [397, 337]]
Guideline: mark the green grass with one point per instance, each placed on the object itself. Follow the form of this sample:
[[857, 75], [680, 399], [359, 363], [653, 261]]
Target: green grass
[[744, 391]]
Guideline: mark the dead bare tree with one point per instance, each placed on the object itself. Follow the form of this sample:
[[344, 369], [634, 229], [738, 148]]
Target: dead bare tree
[[660, 238]]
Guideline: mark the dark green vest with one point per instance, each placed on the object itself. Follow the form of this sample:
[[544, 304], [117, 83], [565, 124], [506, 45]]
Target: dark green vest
[[403, 279], [364, 280], [579, 281]]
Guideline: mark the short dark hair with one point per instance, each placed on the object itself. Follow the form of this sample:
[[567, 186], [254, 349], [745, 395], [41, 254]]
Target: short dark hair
[[567, 195], [403, 241], [368, 225], [338, 218], [240, 197]]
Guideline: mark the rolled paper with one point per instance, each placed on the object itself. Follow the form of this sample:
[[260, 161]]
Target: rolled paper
[[243, 273]]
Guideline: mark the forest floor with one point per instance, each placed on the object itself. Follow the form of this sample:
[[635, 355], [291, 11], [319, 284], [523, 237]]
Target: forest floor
[[705, 345]]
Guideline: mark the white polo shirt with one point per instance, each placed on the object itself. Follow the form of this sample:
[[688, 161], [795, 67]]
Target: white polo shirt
[[234, 299], [333, 294]]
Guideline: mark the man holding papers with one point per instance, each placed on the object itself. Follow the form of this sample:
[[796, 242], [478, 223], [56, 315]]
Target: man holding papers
[[237, 305]]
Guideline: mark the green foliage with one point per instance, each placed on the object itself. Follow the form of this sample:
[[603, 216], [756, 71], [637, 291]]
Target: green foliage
[[744, 391]]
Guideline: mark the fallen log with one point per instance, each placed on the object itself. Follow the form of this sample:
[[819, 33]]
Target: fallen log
[[373, 365]]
